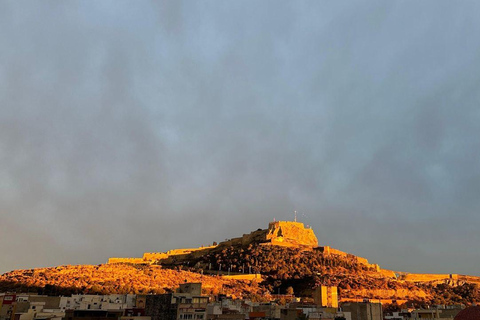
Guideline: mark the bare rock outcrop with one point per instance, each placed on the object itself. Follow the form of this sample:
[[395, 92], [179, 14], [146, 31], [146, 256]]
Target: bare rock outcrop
[[290, 233]]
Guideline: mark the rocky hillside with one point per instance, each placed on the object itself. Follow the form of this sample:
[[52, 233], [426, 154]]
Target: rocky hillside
[[303, 270], [119, 278], [281, 267], [286, 255]]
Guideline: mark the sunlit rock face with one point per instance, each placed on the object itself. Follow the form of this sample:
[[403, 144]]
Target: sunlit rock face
[[290, 234], [280, 233]]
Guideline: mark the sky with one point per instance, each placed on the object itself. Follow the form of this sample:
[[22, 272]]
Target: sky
[[137, 126]]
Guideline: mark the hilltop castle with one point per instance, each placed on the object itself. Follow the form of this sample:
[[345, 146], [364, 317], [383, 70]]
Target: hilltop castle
[[291, 234], [279, 233]]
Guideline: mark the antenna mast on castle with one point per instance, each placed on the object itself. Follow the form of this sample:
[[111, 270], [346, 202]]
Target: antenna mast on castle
[[295, 215]]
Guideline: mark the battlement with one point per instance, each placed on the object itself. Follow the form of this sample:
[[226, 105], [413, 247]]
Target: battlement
[[126, 260], [421, 277], [280, 233], [327, 250], [291, 234]]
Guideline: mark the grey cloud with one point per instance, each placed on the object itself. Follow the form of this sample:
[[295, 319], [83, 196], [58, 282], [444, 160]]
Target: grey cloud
[[126, 129]]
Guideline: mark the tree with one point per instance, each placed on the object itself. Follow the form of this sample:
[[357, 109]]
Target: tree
[[290, 291]]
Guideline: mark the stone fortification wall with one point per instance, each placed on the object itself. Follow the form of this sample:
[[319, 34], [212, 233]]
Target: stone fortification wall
[[420, 277], [186, 251], [291, 234], [152, 256], [282, 233], [126, 260], [331, 251], [179, 253], [258, 236], [249, 277], [471, 279], [362, 260], [231, 242], [388, 273]]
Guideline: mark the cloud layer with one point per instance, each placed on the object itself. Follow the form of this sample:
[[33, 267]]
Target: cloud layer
[[127, 128]]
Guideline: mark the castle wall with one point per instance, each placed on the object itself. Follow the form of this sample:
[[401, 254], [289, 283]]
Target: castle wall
[[419, 277], [126, 260], [281, 233], [327, 250], [294, 233], [152, 256], [249, 277], [388, 273]]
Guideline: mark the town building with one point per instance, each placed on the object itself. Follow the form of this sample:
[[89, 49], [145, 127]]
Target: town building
[[187, 303], [98, 302], [326, 296], [364, 310]]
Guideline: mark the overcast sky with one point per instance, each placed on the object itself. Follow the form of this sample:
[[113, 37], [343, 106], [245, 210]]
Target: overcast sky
[[139, 126]]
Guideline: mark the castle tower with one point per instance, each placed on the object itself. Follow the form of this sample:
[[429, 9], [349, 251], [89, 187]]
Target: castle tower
[[288, 233]]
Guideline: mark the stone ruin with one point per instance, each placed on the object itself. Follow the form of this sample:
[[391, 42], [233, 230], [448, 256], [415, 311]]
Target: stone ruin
[[289, 233], [280, 233]]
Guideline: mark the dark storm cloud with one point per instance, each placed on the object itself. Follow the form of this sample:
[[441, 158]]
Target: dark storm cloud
[[129, 128]]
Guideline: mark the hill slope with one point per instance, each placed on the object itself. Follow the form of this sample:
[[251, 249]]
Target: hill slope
[[286, 255], [118, 278]]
